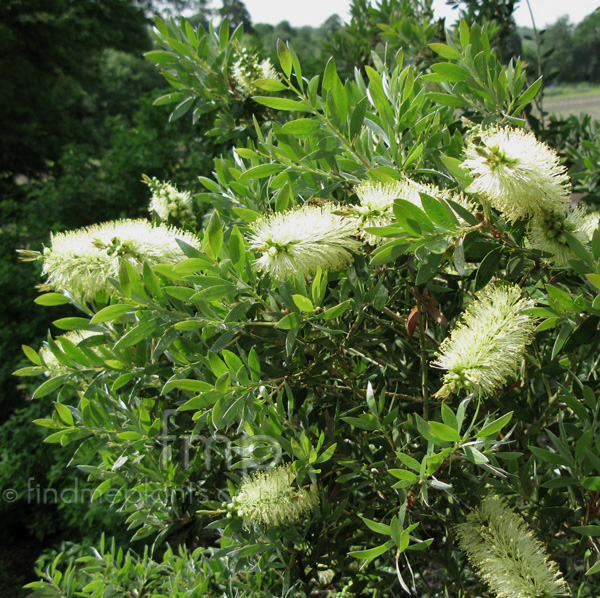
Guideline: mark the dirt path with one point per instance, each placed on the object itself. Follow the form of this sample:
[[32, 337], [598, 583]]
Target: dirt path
[[589, 103]]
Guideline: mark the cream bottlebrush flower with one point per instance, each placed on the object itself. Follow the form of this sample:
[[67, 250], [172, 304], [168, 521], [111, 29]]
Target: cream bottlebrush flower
[[80, 261], [506, 554], [486, 346], [272, 498], [53, 366], [515, 172], [167, 201], [248, 68], [303, 239], [376, 206], [546, 232]]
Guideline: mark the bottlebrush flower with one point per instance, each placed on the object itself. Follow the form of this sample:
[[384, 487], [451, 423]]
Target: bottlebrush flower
[[80, 261], [303, 239], [273, 498], [167, 201], [506, 554], [486, 346], [376, 206], [248, 68], [546, 232], [515, 172]]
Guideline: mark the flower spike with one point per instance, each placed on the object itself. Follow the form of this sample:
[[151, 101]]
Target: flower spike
[[517, 174], [272, 498], [507, 556], [486, 346], [302, 239], [81, 261]]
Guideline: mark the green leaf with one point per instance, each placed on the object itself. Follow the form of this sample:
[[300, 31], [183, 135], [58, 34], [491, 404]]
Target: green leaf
[[112, 312], [407, 215], [337, 311], [285, 58], [452, 73], [444, 99], [364, 421], [301, 127], [587, 530], [594, 279], [371, 553], [438, 212], [446, 51], [161, 57], [180, 293], [49, 386], [378, 528], [32, 355], [261, 171], [237, 249], [594, 568], [530, 92], [550, 457], [193, 264], [130, 435], [135, 335], [269, 84], [487, 268], [404, 474], [444, 432], [591, 483], [72, 323], [578, 248], [213, 239], [282, 104], [51, 299], [303, 303], [64, 413], [494, 426], [358, 117], [290, 321]]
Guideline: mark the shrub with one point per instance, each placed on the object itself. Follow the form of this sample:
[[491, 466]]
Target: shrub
[[327, 387]]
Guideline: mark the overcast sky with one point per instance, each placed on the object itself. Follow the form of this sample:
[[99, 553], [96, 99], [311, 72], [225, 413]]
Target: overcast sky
[[316, 12]]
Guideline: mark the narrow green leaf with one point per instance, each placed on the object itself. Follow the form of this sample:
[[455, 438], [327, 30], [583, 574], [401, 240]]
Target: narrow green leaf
[[261, 171], [213, 239], [32, 355], [303, 303], [301, 127], [446, 51], [269, 84], [64, 413], [444, 432], [285, 58], [370, 554], [494, 426], [72, 323], [488, 267], [112, 312], [337, 311], [51, 299], [284, 104], [444, 99], [530, 92]]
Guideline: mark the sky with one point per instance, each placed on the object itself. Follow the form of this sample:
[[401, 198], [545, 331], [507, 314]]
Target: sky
[[316, 12]]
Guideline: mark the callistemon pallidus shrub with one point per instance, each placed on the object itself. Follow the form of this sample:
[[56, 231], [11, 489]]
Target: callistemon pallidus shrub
[[387, 311]]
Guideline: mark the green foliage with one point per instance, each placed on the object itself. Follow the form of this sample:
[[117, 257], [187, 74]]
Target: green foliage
[[192, 376]]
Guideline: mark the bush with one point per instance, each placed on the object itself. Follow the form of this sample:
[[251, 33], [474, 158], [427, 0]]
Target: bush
[[373, 369]]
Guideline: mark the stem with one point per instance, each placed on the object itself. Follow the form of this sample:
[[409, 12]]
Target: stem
[[539, 101], [424, 366]]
